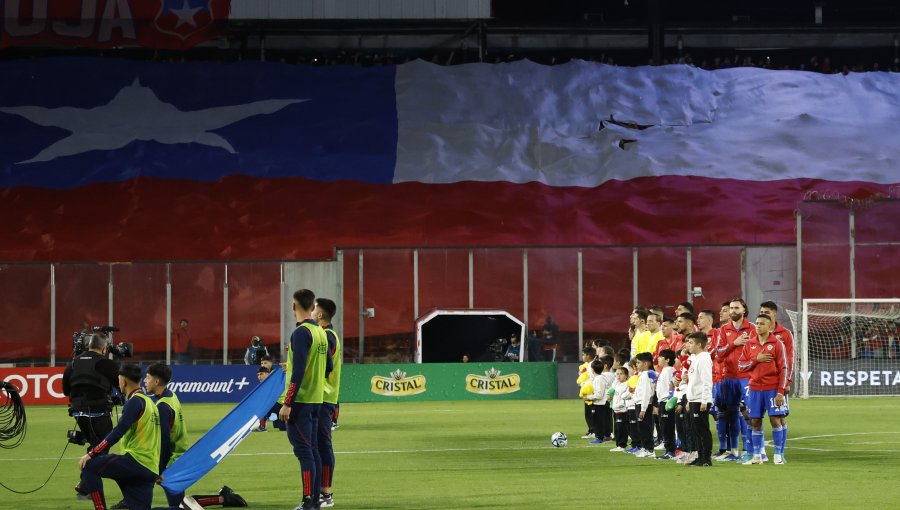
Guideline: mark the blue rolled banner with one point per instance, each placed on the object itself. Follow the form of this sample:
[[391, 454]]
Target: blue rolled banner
[[224, 437]]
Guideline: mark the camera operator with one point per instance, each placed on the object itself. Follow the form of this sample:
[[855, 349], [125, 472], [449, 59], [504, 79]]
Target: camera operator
[[514, 349], [88, 382], [255, 352]]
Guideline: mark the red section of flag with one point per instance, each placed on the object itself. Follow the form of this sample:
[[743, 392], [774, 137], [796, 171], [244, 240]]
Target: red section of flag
[[114, 23], [242, 217]]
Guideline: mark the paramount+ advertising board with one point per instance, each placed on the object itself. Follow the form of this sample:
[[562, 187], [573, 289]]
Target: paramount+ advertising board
[[448, 381], [192, 383]]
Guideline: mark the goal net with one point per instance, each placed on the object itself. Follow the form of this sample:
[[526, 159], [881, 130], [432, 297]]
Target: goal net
[[847, 347]]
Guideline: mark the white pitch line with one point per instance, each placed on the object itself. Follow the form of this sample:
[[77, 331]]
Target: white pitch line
[[524, 448], [362, 452], [840, 435]]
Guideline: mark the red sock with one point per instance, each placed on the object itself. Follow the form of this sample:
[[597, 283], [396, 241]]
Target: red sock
[[98, 501], [207, 500], [307, 483]]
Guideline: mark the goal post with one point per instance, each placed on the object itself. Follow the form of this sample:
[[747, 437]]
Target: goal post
[[847, 347]]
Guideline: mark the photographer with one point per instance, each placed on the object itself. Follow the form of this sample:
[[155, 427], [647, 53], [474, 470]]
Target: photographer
[[255, 352], [88, 382]]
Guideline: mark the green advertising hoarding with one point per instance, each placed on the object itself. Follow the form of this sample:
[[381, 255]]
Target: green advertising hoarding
[[448, 381]]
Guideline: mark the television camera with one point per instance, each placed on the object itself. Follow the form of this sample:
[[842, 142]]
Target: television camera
[[497, 348], [81, 341]]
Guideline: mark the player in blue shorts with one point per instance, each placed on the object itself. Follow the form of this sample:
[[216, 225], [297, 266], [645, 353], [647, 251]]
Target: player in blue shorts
[[765, 359]]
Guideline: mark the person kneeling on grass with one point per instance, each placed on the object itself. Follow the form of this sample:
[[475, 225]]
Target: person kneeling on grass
[[137, 468]]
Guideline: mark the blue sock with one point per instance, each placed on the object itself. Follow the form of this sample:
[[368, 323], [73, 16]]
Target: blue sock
[[778, 439], [757, 440], [732, 434], [762, 428], [722, 432], [734, 422], [783, 437], [745, 432]]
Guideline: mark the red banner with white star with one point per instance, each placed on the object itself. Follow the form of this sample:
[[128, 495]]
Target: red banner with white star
[[164, 24]]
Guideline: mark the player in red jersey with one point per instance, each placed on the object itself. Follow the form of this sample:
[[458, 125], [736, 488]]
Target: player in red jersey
[[765, 360], [733, 335], [781, 333], [722, 424], [705, 320]]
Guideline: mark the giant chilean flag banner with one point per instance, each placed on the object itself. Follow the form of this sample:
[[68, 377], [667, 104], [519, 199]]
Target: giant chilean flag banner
[[224, 437], [105, 159], [171, 24]]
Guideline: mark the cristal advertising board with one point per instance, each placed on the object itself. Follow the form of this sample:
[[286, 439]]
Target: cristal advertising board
[[448, 381]]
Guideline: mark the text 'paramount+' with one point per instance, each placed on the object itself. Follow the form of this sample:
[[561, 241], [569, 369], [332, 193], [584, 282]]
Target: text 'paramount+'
[[228, 386]]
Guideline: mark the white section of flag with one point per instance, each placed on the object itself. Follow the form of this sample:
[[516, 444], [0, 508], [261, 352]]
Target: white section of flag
[[524, 122]]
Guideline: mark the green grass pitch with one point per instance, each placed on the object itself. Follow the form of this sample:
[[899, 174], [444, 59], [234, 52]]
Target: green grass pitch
[[842, 453]]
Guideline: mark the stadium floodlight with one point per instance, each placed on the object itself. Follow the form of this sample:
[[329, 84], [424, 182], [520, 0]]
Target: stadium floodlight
[[847, 347]]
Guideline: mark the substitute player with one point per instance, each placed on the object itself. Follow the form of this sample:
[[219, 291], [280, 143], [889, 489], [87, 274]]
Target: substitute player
[[765, 360], [324, 313], [308, 364], [137, 468]]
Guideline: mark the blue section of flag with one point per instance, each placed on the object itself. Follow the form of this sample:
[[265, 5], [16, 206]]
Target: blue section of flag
[[345, 128], [210, 449]]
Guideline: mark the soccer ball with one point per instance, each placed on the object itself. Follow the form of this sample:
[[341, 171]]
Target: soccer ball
[[558, 439]]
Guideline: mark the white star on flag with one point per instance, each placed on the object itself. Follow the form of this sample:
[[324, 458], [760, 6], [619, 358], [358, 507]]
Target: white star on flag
[[135, 113]]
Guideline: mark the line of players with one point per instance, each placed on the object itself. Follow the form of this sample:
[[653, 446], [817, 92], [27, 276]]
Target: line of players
[[677, 375], [153, 434]]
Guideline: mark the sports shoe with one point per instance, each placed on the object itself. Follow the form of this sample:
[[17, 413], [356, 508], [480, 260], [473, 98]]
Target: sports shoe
[[691, 457], [307, 504], [190, 503], [721, 455], [121, 505], [779, 459], [260, 429], [646, 454], [728, 458], [231, 498], [745, 457], [632, 450], [756, 459], [596, 441], [608, 438], [617, 449], [326, 500], [334, 426], [589, 435], [660, 446], [666, 456], [81, 492], [765, 457]]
